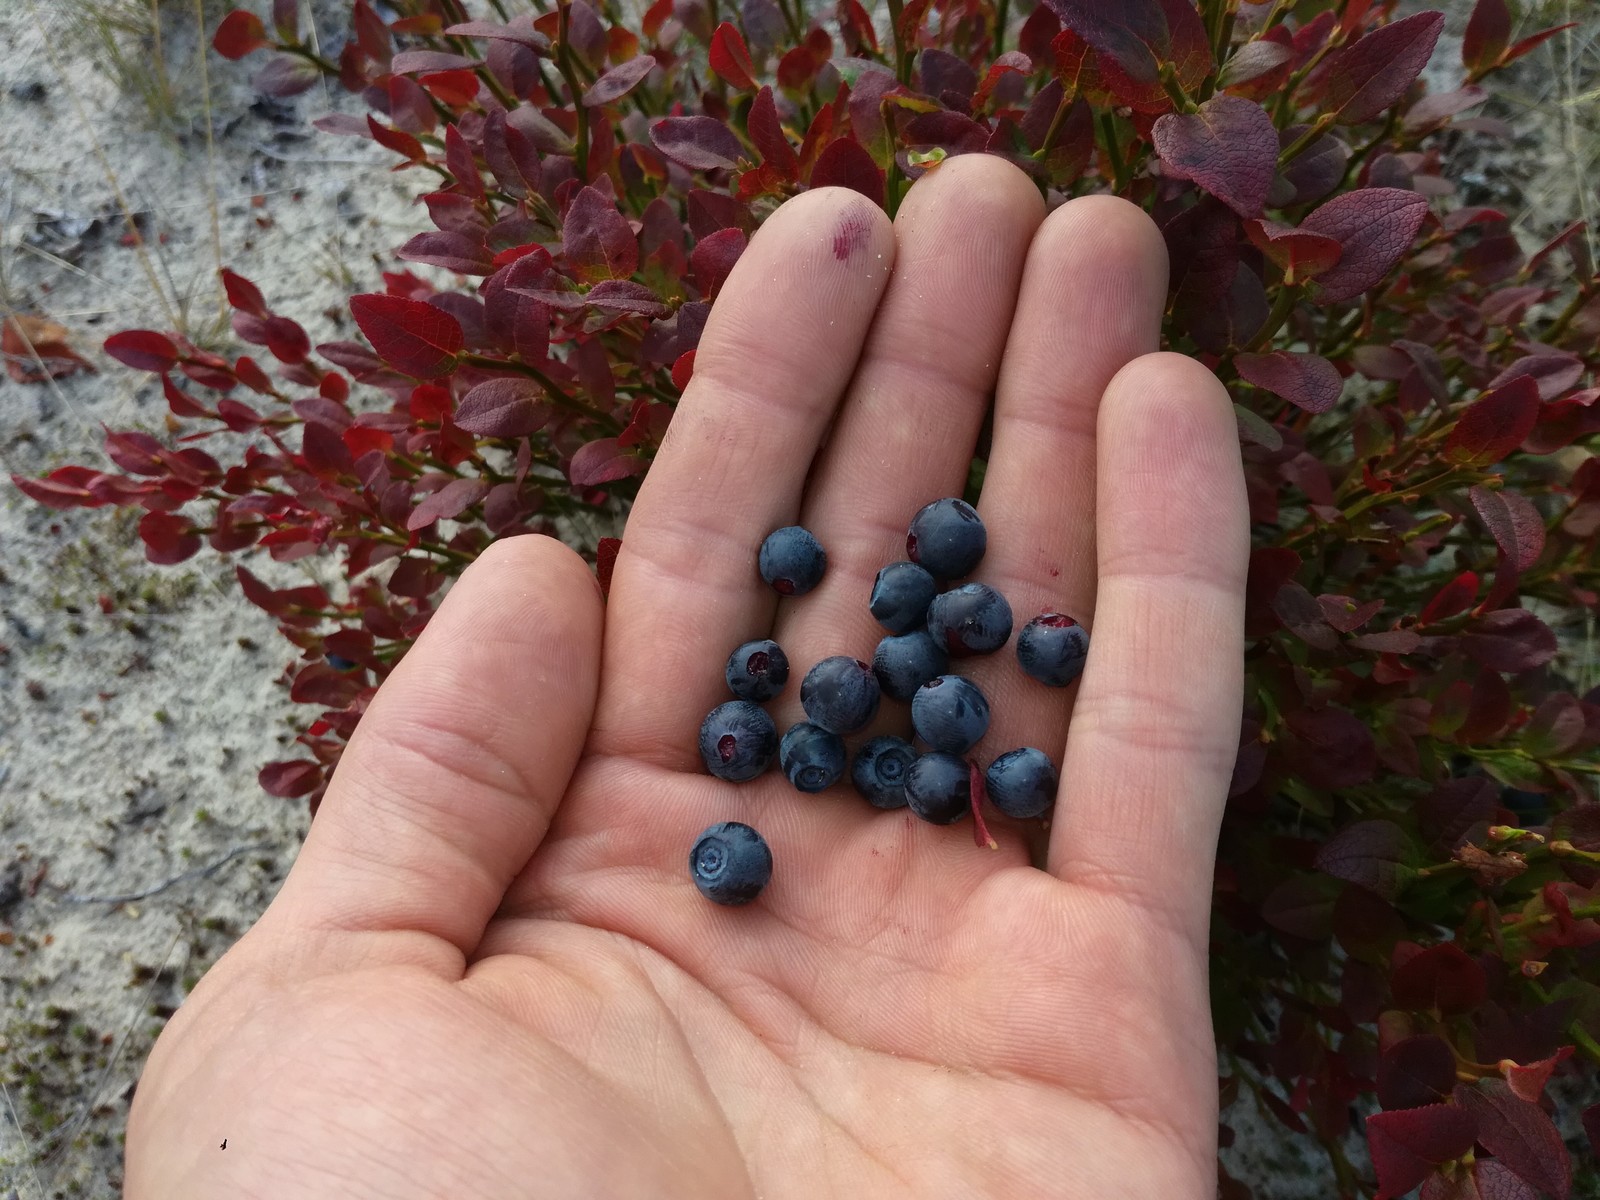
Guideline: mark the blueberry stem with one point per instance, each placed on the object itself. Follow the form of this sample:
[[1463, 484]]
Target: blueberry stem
[[980, 831]]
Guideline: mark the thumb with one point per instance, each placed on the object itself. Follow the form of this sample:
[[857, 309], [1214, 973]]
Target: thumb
[[451, 779]]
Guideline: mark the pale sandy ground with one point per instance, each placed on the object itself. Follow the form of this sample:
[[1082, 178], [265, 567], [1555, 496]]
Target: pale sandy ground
[[130, 739]]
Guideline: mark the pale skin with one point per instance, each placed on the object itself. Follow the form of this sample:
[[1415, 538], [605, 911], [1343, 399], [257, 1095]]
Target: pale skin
[[489, 974]]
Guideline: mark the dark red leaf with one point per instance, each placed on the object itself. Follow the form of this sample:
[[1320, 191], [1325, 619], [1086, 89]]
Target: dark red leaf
[[1298, 254], [699, 143], [1229, 146], [143, 350], [605, 558], [1389, 641], [1308, 381], [291, 778], [603, 461], [1487, 35], [1557, 725], [244, 295], [1453, 598], [453, 251], [287, 341], [1332, 748], [713, 258], [1374, 854], [1302, 905], [597, 239], [239, 33], [1442, 977], [1376, 227], [730, 58], [1416, 1071], [1368, 76], [1510, 639], [1408, 1143], [619, 81], [412, 336], [626, 296], [168, 538], [1513, 521], [766, 132], [503, 408], [845, 164], [449, 502], [1591, 1126], [1453, 811], [397, 140], [1495, 424], [955, 132], [1519, 1134], [1554, 372], [683, 370]]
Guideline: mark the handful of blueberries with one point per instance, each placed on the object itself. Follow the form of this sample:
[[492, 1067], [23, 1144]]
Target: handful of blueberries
[[927, 627]]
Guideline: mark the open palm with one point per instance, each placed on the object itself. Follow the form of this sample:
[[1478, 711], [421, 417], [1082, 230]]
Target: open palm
[[489, 973]]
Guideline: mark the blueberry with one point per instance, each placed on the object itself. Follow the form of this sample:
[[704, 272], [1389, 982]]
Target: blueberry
[[970, 619], [1052, 647], [757, 670], [792, 560], [738, 740], [900, 596], [939, 788], [948, 538], [904, 663], [950, 714], [840, 694], [730, 863], [811, 757], [1022, 783], [879, 771], [339, 663]]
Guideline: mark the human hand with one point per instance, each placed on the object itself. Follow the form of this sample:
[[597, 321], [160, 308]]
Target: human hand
[[489, 973]]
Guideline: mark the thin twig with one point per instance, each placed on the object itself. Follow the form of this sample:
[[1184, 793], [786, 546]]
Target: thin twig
[[194, 873]]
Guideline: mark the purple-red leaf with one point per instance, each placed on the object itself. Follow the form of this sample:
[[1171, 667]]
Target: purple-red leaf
[[1408, 1143], [502, 408], [598, 241], [1371, 853], [1308, 381], [530, 38], [1376, 227], [410, 335], [603, 461], [619, 81], [1515, 523], [1298, 254], [452, 251], [1442, 977], [1553, 371], [412, 62], [1416, 1071], [143, 350], [626, 296], [1495, 424], [1368, 76], [1519, 1134], [1441, 106], [699, 143], [713, 257], [766, 132], [291, 778], [284, 75], [846, 164], [449, 502], [1509, 639], [1487, 36], [1229, 146]]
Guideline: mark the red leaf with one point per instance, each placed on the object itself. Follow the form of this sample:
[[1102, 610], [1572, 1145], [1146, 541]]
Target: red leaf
[[1453, 598], [1527, 1081], [713, 257], [502, 408], [65, 487], [290, 778], [1300, 255], [619, 81], [605, 558], [244, 295], [449, 502], [1307, 380], [603, 461], [598, 241], [699, 143], [1510, 640], [730, 58], [1487, 35], [845, 164], [412, 336], [143, 350], [1442, 977], [239, 33], [453, 251], [397, 140], [1229, 146], [767, 134], [1368, 76], [683, 370], [1533, 41], [168, 538], [1519, 1134], [1371, 853], [454, 89], [1408, 1143], [1495, 424], [1416, 1071], [1514, 522], [287, 341], [1376, 227]]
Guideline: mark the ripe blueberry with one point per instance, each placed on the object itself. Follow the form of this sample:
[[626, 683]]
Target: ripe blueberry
[[947, 538], [950, 714], [738, 740], [730, 863], [339, 663], [840, 694], [879, 771], [1052, 648], [811, 757], [757, 670], [904, 663], [792, 560], [900, 596], [970, 619], [939, 788], [1022, 783]]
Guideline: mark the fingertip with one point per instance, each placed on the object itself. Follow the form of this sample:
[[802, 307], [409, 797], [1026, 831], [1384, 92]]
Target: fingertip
[[983, 187], [1129, 253]]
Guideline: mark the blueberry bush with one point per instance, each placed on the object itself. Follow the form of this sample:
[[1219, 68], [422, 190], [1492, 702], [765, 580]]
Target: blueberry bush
[[1407, 913]]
